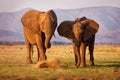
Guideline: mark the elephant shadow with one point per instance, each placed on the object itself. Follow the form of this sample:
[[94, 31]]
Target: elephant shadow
[[109, 64], [98, 65]]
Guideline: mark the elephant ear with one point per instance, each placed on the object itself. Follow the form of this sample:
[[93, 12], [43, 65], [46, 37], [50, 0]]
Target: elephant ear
[[65, 29], [53, 17], [90, 28], [30, 21]]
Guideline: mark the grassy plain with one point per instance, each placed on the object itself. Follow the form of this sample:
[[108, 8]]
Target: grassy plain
[[13, 67]]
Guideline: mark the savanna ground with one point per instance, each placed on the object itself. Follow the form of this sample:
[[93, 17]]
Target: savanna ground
[[13, 67]]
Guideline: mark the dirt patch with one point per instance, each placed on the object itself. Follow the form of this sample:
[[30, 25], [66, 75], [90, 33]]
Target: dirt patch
[[54, 63]]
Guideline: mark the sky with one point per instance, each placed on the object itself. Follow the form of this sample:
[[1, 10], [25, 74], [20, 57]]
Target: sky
[[43, 5]]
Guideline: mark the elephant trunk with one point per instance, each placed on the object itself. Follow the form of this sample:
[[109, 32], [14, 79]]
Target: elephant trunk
[[77, 41], [77, 34], [47, 41], [48, 36]]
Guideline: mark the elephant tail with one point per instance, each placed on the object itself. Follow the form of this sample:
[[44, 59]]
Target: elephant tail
[[32, 51]]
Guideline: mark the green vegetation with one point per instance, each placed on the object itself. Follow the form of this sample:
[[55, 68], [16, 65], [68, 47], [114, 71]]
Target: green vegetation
[[13, 67]]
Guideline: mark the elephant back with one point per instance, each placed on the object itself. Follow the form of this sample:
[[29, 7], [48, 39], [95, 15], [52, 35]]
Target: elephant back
[[30, 20]]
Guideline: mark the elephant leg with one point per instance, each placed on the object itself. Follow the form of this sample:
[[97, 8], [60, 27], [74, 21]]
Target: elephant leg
[[28, 46], [42, 55], [77, 55], [76, 61], [32, 51], [45, 52], [38, 52], [82, 54], [41, 50], [91, 50], [43, 39]]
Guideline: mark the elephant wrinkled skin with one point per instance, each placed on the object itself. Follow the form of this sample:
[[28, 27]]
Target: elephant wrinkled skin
[[38, 30], [82, 34]]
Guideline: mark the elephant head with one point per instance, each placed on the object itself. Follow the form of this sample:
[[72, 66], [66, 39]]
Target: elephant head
[[78, 31], [41, 22], [70, 30], [80, 19], [88, 28], [48, 24]]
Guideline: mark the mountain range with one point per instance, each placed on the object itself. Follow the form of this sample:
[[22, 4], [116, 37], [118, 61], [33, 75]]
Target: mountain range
[[107, 17]]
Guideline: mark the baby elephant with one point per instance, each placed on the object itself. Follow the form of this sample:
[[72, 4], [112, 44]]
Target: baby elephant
[[82, 34]]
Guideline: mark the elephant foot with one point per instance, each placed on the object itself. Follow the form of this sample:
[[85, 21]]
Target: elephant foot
[[43, 58], [91, 63], [77, 65], [28, 62], [82, 65]]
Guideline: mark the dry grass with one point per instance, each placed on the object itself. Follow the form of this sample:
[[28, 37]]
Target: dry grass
[[13, 67]]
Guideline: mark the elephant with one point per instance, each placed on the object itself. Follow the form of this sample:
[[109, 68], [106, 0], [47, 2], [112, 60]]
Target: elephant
[[82, 34], [38, 27]]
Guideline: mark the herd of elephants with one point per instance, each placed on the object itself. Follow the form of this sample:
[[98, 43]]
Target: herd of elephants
[[39, 27]]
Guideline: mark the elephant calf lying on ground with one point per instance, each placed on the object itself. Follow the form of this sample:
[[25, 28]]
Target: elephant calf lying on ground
[[82, 33]]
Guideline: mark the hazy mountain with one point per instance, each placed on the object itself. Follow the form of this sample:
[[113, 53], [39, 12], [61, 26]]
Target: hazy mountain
[[107, 17], [10, 26]]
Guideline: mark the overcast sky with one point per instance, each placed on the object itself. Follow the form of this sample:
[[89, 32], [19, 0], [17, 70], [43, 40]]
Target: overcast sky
[[13, 5]]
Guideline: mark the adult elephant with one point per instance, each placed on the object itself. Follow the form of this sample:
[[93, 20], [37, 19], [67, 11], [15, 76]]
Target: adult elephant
[[38, 30], [82, 33]]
